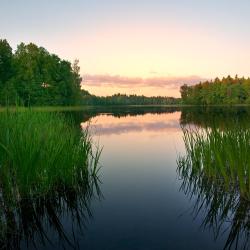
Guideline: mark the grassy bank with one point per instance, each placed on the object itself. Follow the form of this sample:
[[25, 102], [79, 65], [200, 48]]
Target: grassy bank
[[44, 108]]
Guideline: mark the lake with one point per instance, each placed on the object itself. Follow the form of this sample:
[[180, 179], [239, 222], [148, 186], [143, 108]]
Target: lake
[[142, 201]]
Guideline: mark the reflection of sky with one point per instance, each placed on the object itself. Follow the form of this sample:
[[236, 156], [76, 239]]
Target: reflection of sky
[[149, 123], [142, 199]]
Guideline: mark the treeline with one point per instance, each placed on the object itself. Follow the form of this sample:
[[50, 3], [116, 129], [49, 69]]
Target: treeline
[[122, 99], [33, 76], [219, 91]]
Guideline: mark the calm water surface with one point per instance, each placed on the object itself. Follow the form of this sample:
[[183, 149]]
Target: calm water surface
[[143, 204]]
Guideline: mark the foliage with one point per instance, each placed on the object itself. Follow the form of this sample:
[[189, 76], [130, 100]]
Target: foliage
[[122, 99], [33, 76], [226, 91]]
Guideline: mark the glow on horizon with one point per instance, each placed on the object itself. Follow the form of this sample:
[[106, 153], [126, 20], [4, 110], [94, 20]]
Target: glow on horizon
[[146, 91], [144, 39]]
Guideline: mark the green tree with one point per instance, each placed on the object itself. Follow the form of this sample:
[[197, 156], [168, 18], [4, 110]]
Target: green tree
[[6, 73], [225, 91]]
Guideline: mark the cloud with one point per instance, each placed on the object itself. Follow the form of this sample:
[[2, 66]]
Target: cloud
[[129, 82], [133, 126]]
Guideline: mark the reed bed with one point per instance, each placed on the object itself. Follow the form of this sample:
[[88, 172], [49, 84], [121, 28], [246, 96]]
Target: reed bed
[[45, 163], [221, 155], [215, 172], [39, 151]]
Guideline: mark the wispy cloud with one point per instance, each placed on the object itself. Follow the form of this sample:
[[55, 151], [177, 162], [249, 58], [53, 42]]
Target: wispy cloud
[[128, 82], [115, 125]]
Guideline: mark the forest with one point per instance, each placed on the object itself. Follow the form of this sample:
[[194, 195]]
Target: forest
[[227, 91], [123, 99], [31, 76]]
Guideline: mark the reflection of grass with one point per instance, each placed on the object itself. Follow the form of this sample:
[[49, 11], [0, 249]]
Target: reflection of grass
[[222, 155], [37, 221], [44, 160], [222, 210], [215, 170]]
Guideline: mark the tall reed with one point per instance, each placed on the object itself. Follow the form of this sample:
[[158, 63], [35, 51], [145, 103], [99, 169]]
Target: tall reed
[[222, 155], [215, 170], [46, 163]]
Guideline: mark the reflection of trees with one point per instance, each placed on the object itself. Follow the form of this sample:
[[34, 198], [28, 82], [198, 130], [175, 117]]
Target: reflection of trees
[[122, 111], [222, 117], [34, 220], [201, 116], [224, 207]]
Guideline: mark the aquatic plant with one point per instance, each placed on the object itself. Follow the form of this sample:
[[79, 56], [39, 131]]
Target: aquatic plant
[[46, 163], [220, 154], [215, 172]]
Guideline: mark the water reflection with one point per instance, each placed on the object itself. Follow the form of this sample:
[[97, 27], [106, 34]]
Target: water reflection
[[119, 112], [223, 212], [41, 222], [215, 174], [143, 198], [107, 124], [226, 212], [223, 117]]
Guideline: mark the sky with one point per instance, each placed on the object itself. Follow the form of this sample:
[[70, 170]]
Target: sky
[[149, 47]]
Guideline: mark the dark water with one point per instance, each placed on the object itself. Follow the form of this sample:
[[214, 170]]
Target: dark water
[[143, 202]]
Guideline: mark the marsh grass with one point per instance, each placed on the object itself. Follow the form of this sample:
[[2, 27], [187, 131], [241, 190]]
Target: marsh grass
[[39, 151], [221, 155], [46, 163], [215, 172]]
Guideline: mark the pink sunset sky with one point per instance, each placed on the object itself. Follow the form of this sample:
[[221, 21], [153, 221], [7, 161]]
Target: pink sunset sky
[[137, 47]]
